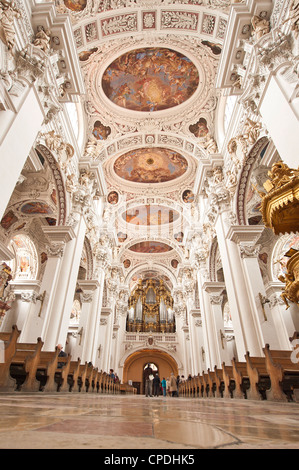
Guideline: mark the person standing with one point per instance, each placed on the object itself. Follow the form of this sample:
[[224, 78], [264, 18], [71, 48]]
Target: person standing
[[156, 383], [149, 386], [163, 383], [173, 386]]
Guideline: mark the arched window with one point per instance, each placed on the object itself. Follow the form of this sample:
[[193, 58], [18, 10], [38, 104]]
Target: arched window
[[25, 263]]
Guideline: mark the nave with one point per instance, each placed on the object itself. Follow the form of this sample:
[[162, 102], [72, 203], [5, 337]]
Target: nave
[[90, 421]]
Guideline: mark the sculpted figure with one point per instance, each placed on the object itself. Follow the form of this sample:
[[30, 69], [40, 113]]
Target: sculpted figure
[[261, 26]]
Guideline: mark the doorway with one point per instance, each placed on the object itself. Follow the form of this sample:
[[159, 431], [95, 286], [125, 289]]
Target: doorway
[[135, 364]]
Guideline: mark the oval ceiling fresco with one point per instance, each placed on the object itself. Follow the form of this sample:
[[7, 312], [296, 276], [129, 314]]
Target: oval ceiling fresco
[[150, 79], [150, 247], [150, 165], [150, 215]]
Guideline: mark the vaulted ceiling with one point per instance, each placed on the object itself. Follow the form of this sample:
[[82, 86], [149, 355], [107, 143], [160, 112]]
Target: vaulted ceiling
[[149, 69]]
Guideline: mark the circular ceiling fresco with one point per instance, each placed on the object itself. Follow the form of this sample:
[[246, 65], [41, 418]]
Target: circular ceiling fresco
[[150, 247], [150, 79], [150, 165], [150, 215]]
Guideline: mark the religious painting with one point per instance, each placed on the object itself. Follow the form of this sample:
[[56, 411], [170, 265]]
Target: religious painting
[[174, 263], [150, 247], [54, 196], [8, 220], [150, 165], [75, 5], [43, 257], [100, 131], [121, 237], [127, 263], [150, 79], [84, 55], [112, 197], [179, 237], [51, 221], [150, 215], [200, 129], [36, 207], [215, 48], [188, 196]]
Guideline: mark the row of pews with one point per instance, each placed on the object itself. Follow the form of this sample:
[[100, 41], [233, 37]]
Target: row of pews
[[275, 376], [26, 367]]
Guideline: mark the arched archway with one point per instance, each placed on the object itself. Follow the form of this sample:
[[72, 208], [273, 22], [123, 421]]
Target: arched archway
[[134, 366]]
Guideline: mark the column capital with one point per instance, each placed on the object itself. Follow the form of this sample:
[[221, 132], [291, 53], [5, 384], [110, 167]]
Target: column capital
[[88, 284], [59, 234], [245, 233], [214, 288], [5, 253]]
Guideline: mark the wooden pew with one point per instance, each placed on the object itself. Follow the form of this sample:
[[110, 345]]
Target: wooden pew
[[72, 383], [24, 365], [240, 377], [46, 369], [211, 382], [82, 377], [206, 386], [219, 385], [201, 386], [9, 348], [283, 372], [258, 377], [228, 381]]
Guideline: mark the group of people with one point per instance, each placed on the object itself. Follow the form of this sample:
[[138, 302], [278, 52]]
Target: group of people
[[154, 386]]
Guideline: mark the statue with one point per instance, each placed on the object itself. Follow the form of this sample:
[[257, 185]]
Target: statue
[[261, 26], [8, 12], [280, 174], [42, 39]]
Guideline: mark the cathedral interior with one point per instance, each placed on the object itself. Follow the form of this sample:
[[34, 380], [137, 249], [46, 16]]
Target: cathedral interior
[[150, 194]]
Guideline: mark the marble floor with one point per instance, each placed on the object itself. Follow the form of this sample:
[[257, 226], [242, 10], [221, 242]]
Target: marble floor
[[91, 421]]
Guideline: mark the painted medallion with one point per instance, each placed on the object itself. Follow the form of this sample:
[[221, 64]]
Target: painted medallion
[[150, 247], [150, 165], [150, 79], [150, 215]]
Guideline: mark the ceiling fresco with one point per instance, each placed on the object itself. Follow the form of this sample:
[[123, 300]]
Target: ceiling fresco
[[150, 79], [75, 5], [150, 165], [150, 247], [150, 215]]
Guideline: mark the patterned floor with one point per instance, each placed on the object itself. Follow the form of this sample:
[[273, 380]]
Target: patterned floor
[[91, 421]]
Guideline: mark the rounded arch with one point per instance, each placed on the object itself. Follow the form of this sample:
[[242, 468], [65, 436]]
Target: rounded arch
[[45, 153], [133, 364], [152, 267], [245, 180], [25, 263]]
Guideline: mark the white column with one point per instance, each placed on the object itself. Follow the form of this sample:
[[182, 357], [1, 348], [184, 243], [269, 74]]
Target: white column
[[38, 317], [19, 133], [194, 318], [25, 292], [55, 331], [204, 353], [286, 321], [93, 294], [246, 238], [217, 342], [247, 332], [86, 327], [284, 131]]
